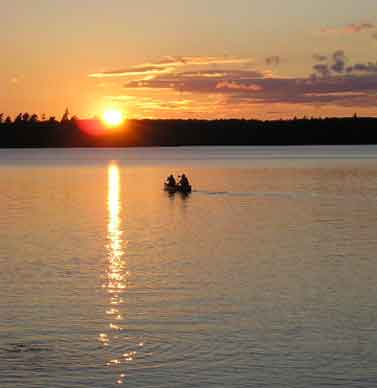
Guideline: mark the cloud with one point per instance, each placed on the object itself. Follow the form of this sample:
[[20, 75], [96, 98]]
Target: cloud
[[320, 58], [335, 89], [333, 83], [237, 86], [322, 70], [336, 63], [199, 82], [339, 61], [369, 67], [353, 28], [179, 61], [273, 60], [171, 64], [225, 74], [374, 36], [133, 71], [233, 82]]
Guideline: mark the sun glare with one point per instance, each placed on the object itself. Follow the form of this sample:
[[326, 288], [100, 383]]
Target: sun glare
[[112, 118]]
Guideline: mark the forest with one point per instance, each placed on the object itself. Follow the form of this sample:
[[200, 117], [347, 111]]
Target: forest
[[30, 131]]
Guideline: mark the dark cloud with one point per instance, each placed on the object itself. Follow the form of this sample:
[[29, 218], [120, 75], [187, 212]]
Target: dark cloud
[[336, 64], [338, 55], [341, 90], [339, 61], [224, 85], [224, 74], [273, 60], [322, 70], [369, 67]]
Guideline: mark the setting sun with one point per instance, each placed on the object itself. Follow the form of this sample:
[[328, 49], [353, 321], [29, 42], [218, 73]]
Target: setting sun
[[112, 118]]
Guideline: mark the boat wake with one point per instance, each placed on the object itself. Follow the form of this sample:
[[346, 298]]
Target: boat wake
[[247, 194]]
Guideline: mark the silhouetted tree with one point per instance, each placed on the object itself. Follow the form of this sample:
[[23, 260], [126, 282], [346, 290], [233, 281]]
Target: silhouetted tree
[[65, 117], [18, 119], [34, 118], [25, 117], [1, 117], [8, 120]]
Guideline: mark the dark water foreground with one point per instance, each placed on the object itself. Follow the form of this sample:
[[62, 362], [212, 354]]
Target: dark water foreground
[[264, 277]]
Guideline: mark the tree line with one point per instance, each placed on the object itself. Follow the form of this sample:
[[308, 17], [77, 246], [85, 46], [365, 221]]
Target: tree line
[[28, 130], [34, 118]]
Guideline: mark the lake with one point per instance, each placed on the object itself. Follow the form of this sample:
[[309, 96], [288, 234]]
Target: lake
[[265, 276]]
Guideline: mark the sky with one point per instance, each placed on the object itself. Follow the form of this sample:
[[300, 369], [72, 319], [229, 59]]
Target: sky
[[189, 58]]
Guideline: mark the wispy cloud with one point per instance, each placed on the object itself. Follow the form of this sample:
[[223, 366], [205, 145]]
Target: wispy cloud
[[133, 71], [353, 28], [177, 61], [170, 64]]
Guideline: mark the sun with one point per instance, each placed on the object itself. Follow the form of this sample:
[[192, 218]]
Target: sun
[[112, 117]]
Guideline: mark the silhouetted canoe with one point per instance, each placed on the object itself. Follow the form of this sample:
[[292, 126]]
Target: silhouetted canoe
[[177, 189]]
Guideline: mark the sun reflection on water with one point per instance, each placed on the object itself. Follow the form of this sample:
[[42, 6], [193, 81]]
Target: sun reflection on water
[[120, 348], [116, 270]]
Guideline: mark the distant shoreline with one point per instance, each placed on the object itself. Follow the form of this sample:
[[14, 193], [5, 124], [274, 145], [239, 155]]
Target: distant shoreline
[[76, 133]]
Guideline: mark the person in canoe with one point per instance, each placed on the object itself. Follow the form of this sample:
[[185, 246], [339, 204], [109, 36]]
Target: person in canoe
[[184, 182], [170, 181]]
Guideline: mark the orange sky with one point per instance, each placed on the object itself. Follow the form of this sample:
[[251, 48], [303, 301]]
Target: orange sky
[[200, 59]]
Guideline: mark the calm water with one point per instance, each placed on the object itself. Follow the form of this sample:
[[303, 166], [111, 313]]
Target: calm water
[[264, 277]]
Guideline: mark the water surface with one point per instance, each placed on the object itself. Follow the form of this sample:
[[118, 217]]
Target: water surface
[[263, 277]]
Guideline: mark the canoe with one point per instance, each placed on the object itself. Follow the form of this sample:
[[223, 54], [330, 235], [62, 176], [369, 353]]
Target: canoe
[[177, 189]]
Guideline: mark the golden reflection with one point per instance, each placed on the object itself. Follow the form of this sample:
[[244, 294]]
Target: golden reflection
[[116, 272]]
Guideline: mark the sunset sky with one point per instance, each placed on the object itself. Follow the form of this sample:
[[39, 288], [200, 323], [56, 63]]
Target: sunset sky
[[189, 58]]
